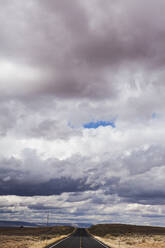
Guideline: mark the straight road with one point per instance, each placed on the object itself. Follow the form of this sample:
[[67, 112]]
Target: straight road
[[80, 239]]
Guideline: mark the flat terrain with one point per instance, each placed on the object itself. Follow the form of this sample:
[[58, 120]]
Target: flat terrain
[[113, 235], [127, 236], [36, 237]]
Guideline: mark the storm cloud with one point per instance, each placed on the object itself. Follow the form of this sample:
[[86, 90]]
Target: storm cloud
[[66, 66]]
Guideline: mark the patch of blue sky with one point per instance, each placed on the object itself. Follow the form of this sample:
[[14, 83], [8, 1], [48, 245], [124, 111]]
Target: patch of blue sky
[[154, 115], [70, 125], [98, 124]]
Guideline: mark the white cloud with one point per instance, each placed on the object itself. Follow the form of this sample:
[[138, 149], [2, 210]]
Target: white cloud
[[19, 79], [64, 65]]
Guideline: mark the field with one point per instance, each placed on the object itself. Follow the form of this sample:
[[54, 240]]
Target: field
[[129, 236], [36, 237]]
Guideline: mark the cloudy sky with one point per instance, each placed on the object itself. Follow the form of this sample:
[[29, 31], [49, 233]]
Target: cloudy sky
[[82, 118]]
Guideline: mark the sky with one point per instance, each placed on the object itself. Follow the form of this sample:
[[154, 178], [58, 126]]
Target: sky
[[82, 118]]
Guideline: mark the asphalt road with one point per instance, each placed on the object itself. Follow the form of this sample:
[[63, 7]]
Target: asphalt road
[[80, 239]]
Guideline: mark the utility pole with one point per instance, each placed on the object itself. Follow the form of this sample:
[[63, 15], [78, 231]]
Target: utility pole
[[47, 219]]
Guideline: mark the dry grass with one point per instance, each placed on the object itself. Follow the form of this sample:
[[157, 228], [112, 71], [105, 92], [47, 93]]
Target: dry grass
[[134, 241], [129, 236], [32, 237]]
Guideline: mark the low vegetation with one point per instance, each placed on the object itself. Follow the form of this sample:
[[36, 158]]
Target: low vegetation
[[36, 237], [127, 236]]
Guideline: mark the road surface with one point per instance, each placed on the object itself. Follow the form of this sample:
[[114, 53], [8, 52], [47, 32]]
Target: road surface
[[80, 239]]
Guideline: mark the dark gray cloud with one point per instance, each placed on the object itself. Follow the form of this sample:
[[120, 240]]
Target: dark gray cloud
[[66, 63], [135, 178], [5, 211], [41, 207], [75, 47], [52, 187], [147, 188]]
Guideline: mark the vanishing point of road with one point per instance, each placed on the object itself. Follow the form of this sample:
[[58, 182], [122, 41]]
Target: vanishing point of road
[[79, 239]]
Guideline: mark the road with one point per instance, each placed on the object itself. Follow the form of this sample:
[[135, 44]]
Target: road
[[80, 239]]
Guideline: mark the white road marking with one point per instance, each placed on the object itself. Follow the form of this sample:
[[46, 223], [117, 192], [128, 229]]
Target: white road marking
[[59, 242], [96, 239], [99, 242], [80, 241], [64, 239]]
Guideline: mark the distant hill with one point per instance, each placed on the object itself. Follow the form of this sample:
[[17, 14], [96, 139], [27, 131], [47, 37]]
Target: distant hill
[[4, 223], [83, 225], [123, 229]]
